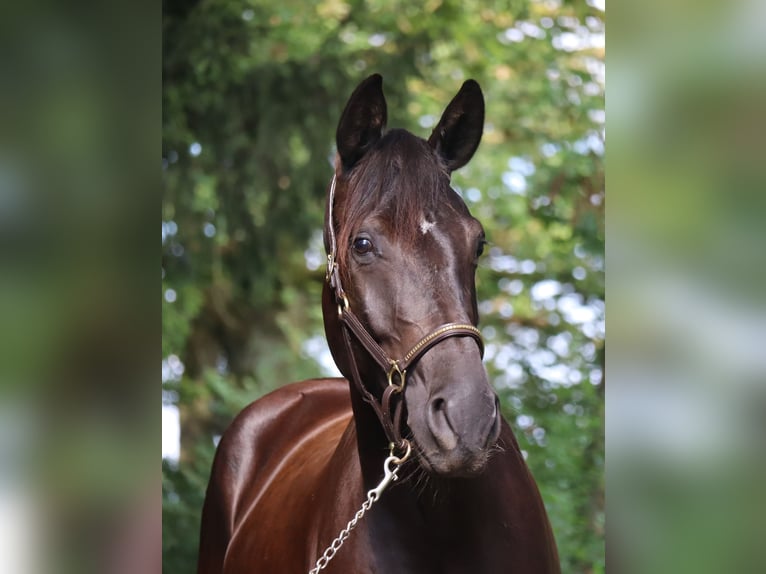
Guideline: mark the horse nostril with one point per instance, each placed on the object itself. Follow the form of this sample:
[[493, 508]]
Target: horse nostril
[[439, 424], [494, 428], [438, 405]]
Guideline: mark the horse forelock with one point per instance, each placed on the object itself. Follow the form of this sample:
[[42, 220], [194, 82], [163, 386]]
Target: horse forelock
[[401, 181]]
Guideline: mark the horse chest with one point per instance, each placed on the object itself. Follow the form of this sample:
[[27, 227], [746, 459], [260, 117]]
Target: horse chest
[[403, 540]]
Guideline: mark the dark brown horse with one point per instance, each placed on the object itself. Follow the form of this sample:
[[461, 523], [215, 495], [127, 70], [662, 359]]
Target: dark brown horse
[[296, 465]]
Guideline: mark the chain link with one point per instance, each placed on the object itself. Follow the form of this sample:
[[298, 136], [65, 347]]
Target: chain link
[[390, 475], [329, 554]]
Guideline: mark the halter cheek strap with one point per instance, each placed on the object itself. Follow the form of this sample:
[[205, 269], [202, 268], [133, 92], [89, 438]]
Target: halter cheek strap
[[395, 369]]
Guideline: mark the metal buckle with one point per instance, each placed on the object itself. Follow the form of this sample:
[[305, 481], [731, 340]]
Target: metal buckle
[[398, 460], [402, 377], [330, 268], [342, 305]]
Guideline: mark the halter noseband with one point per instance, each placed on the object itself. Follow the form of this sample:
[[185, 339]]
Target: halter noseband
[[394, 368]]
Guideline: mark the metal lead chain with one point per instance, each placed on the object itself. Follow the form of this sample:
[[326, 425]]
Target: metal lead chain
[[390, 470], [329, 554]]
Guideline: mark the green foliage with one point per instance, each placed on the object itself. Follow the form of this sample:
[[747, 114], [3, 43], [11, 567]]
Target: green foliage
[[252, 92]]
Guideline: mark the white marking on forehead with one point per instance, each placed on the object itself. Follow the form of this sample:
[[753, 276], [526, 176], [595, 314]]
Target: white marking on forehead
[[425, 226]]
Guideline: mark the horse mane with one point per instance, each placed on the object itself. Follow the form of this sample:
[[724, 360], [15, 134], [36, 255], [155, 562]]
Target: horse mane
[[401, 180]]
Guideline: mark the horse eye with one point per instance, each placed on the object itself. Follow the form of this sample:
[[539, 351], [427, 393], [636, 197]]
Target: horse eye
[[362, 245], [480, 248]]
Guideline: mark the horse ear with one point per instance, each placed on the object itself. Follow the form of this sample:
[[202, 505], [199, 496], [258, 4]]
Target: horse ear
[[458, 133], [362, 122]]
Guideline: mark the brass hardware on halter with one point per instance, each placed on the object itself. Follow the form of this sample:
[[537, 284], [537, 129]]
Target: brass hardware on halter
[[330, 267], [398, 460], [342, 306], [402, 374]]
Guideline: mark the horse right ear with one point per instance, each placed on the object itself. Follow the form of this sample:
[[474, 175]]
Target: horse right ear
[[458, 133], [362, 122]]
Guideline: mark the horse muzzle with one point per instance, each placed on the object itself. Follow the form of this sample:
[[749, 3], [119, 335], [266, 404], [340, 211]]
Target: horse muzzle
[[455, 432]]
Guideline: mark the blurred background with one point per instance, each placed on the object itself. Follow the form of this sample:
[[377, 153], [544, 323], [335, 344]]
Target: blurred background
[[252, 93], [80, 182], [686, 425]]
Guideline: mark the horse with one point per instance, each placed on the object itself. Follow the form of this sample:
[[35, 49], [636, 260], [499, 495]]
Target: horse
[[406, 465]]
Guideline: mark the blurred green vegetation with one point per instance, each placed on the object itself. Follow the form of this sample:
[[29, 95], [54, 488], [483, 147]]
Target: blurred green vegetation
[[687, 321], [252, 92]]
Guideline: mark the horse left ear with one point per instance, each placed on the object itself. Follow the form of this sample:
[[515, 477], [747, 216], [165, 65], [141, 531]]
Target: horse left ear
[[458, 133], [362, 122]]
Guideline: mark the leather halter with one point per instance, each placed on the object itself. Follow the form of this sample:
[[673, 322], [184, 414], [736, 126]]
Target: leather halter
[[394, 368]]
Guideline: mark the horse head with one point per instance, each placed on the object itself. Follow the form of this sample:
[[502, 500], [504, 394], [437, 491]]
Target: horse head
[[404, 246]]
